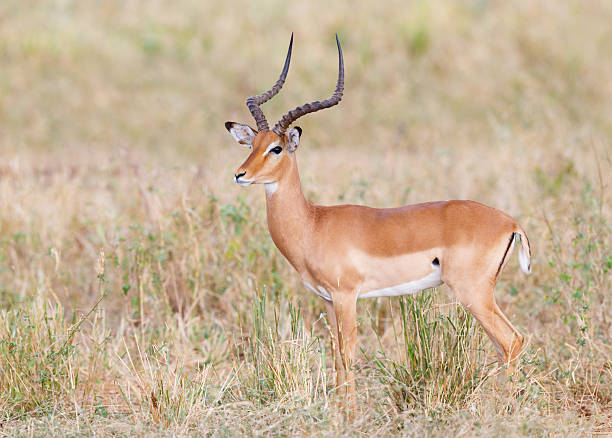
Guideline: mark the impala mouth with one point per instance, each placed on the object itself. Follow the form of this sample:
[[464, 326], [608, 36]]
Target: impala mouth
[[243, 182]]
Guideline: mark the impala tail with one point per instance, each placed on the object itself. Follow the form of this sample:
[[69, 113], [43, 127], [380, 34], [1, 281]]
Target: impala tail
[[524, 252]]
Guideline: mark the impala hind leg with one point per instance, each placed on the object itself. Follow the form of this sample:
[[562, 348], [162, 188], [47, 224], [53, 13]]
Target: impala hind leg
[[480, 301]]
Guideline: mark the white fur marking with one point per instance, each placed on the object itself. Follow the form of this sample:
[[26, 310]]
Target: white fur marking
[[270, 188], [293, 137], [321, 292], [523, 256], [271, 146], [243, 182], [243, 134], [324, 293], [433, 279]]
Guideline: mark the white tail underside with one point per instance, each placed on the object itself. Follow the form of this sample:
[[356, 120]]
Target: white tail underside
[[523, 255]]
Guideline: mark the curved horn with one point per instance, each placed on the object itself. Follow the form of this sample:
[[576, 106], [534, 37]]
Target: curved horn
[[282, 125], [253, 102]]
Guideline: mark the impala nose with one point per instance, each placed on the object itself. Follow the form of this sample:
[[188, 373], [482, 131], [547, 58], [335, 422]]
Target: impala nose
[[237, 176]]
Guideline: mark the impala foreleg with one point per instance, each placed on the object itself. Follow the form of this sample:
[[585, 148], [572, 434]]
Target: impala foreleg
[[345, 310], [335, 346]]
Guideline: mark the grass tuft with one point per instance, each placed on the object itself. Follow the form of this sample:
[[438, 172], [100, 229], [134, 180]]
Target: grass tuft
[[277, 358], [440, 355]]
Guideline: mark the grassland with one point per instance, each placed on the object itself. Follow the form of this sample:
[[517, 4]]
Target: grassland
[[140, 293]]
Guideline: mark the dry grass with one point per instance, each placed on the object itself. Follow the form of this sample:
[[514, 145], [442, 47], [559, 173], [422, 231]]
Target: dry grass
[[140, 293]]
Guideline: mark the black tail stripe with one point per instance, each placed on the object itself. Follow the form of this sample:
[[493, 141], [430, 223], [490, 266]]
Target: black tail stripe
[[505, 254]]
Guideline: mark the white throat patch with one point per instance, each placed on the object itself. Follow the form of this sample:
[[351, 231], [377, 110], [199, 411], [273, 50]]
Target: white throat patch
[[270, 188]]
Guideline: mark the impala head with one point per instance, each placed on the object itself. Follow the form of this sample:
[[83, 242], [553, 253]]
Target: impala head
[[270, 153], [273, 149]]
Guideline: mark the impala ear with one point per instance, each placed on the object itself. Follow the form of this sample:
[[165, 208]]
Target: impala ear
[[243, 134], [293, 138]]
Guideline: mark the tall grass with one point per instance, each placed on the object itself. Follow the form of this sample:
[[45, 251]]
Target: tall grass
[[576, 289], [439, 357], [42, 368], [281, 359], [39, 372]]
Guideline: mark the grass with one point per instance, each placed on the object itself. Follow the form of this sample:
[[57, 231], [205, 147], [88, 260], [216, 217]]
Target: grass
[[140, 293], [442, 358], [277, 358]]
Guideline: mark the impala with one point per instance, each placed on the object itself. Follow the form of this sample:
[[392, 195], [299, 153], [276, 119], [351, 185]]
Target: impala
[[346, 252]]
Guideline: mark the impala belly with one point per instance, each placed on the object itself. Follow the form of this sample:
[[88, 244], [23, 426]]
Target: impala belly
[[432, 279], [400, 275], [378, 276]]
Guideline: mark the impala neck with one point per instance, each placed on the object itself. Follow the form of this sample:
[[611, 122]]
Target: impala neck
[[289, 215]]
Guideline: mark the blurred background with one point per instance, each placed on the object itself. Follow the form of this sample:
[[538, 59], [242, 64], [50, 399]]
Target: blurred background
[[116, 176], [421, 77]]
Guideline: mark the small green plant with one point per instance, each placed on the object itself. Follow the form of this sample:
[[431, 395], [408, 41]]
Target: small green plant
[[38, 359], [577, 290]]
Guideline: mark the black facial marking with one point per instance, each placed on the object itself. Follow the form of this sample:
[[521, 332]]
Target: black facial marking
[[436, 262]]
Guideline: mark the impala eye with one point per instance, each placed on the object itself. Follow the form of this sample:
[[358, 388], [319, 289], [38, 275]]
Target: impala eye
[[277, 150]]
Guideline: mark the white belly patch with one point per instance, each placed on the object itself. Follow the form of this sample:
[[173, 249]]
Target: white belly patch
[[320, 291], [433, 279]]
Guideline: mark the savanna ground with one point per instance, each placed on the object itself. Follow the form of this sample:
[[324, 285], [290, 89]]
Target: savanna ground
[[140, 293]]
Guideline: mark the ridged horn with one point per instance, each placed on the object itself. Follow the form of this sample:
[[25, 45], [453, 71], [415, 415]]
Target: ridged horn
[[253, 102], [282, 125]]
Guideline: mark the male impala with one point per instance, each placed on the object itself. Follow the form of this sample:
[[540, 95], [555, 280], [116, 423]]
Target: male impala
[[346, 252]]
